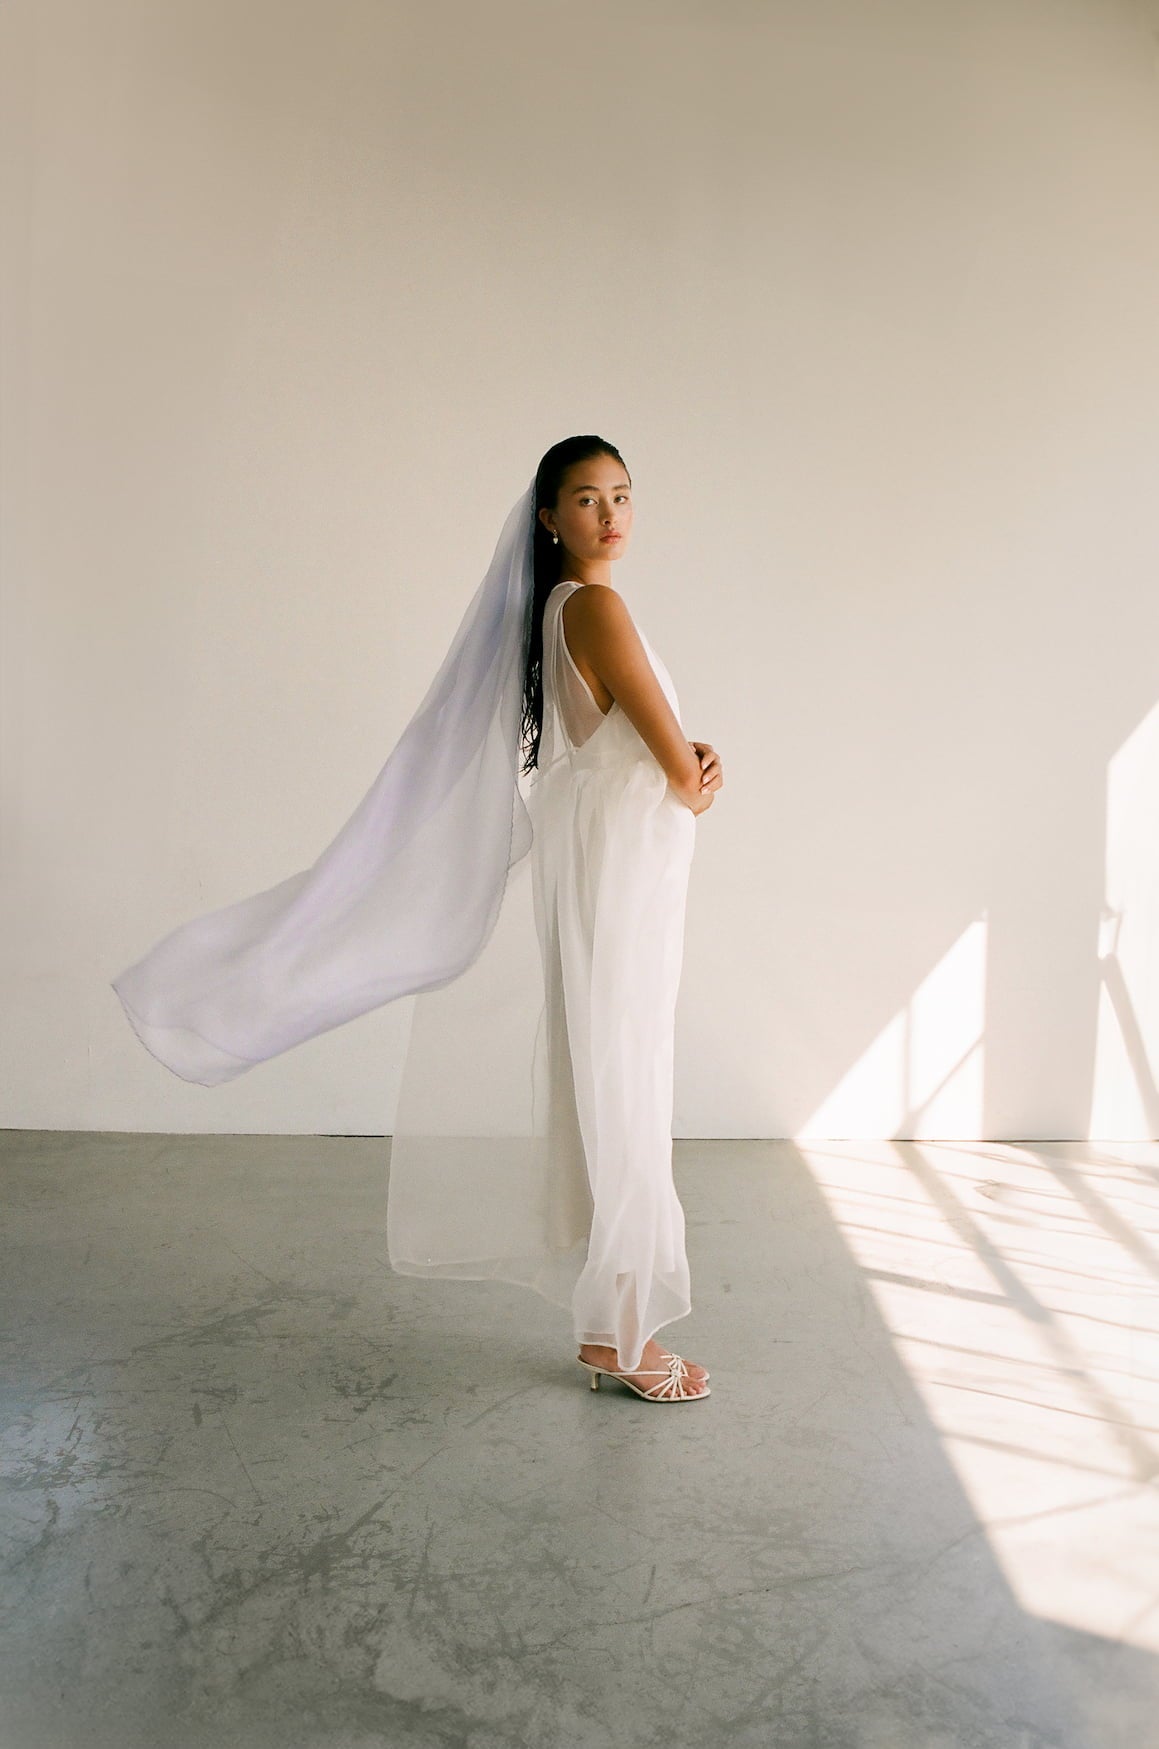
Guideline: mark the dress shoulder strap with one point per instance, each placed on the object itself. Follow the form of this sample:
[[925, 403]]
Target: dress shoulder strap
[[564, 687]]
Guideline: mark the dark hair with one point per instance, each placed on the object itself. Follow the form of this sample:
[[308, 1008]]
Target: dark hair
[[546, 561]]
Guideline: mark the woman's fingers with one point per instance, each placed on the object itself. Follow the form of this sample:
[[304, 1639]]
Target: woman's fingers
[[711, 772]]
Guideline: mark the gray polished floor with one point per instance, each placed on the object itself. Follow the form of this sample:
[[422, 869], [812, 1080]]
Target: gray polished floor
[[258, 1491]]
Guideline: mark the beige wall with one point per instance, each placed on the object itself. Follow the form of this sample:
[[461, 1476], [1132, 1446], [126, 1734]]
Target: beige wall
[[295, 296]]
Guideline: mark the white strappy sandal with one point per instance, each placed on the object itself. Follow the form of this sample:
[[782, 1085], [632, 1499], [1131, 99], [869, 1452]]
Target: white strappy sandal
[[671, 1389]]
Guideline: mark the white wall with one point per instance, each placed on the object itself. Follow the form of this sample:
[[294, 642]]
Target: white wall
[[297, 292]]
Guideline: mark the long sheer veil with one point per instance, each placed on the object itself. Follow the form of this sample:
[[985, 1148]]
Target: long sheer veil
[[427, 890]]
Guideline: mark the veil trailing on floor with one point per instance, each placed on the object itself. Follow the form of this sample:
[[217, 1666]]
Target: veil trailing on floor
[[426, 891]]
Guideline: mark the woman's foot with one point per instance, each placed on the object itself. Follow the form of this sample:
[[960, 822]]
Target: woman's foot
[[653, 1358]]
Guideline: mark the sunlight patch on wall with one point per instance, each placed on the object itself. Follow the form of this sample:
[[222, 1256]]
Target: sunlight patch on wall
[[922, 1076], [1123, 1099]]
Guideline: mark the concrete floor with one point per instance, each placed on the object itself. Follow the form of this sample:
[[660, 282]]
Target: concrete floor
[[259, 1491]]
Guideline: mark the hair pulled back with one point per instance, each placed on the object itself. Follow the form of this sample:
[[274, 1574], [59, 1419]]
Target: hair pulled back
[[546, 564]]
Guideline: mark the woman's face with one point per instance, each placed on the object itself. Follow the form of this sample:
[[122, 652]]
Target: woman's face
[[595, 501]]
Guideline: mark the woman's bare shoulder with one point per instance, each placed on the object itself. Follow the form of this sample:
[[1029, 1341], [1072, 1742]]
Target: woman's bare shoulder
[[598, 614]]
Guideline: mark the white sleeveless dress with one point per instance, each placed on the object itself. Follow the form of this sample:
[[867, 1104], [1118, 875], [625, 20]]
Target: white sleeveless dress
[[611, 857], [533, 1136]]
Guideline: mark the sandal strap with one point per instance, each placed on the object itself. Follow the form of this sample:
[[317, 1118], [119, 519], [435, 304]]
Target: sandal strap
[[672, 1379]]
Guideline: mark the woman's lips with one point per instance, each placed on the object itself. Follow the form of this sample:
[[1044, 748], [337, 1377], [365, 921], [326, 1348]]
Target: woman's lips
[[609, 537]]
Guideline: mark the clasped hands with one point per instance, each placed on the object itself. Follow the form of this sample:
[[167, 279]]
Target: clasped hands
[[711, 773]]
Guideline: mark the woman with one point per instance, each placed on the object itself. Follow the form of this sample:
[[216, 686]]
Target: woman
[[420, 893], [613, 801]]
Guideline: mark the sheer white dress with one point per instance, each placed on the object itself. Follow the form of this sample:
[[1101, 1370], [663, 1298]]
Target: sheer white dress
[[561, 1179]]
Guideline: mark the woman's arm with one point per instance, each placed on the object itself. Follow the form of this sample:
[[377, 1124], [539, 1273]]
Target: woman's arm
[[602, 636]]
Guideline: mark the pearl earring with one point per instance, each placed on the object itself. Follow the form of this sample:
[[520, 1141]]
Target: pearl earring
[[555, 540]]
